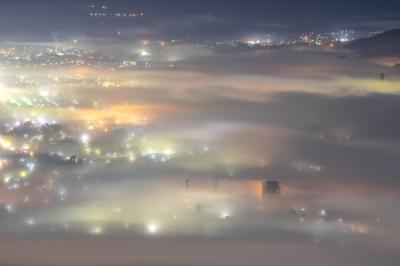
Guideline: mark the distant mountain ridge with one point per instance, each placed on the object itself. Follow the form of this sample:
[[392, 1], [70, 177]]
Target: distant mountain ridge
[[384, 44]]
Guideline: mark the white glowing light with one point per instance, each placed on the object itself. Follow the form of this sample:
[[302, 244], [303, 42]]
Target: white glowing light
[[225, 215], [169, 152], [85, 138], [144, 53], [44, 93], [96, 230], [30, 221], [152, 228], [9, 208], [30, 166]]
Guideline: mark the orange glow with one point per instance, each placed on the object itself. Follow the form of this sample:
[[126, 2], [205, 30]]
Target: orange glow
[[120, 114], [83, 70]]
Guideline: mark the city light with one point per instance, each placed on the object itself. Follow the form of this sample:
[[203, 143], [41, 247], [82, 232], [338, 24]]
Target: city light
[[85, 138], [152, 228], [227, 133]]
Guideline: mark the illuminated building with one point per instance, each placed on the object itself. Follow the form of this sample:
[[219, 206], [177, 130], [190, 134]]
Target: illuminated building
[[103, 11]]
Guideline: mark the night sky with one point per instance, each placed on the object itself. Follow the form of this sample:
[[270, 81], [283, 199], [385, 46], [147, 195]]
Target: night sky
[[196, 19]]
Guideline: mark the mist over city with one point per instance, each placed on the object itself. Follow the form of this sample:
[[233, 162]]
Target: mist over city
[[199, 133]]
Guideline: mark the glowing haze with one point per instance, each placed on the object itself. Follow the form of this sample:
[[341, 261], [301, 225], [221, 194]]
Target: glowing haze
[[121, 150]]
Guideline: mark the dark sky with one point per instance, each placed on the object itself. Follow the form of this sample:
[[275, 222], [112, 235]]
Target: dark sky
[[44, 19]]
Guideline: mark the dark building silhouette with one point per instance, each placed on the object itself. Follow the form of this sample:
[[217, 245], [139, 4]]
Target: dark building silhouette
[[73, 159], [271, 188]]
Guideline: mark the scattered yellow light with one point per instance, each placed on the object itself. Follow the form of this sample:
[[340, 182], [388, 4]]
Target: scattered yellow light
[[96, 230], [97, 152], [7, 179], [23, 174]]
